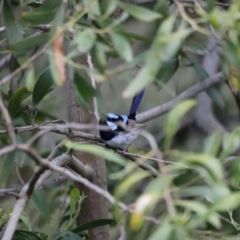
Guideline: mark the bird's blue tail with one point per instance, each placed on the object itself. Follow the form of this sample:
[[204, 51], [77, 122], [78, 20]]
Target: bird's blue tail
[[135, 104]]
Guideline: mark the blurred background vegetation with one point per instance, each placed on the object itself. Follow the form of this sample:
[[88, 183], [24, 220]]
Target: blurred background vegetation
[[196, 196]]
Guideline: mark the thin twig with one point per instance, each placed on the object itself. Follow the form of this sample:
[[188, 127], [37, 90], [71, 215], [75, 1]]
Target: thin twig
[[93, 82]]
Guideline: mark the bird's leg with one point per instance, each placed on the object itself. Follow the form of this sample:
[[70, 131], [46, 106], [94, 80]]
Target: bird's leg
[[125, 150]]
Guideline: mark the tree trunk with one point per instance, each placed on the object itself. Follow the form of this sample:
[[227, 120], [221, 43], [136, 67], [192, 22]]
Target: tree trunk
[[94, 206]]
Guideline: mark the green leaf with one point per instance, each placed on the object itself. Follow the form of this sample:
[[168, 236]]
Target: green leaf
[[74, 196], [39, 199], [129, 182], [140, 13], [163, 232], [99, 55], [213, 143], [12, 29], [212, 91], [30, 79], [68, 236], [6, 168], [43, 14], [97, 150], [174, 119], [84, 40], [26, 220], [166, 71], [29, 42], [93, 224], [25, 235], [165, 46], [84, 91], [227, 203], [16, 100], [107, 7], [210, 163], [42, 86], [122, 46], [230, 142]]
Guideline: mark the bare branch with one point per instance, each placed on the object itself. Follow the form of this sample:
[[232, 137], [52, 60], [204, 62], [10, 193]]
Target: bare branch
[[8, 121], [5, 61], [190, 92]]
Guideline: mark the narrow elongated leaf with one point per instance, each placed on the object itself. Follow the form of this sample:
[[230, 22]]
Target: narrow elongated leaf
[[16, 100], [174, 119], [163, 232], [74, 196], [140, 13], [26, 220], [165, 46], [212, 91], [84, 40], [68, 236], [166, 71], [93, 224], [122, 46], [210, 163], [42, 87], [29, 43], [6, 168], [129, 182], [107, 7], [39, 199], [12, 28], [84, 91], [227, 203], [213, 143], [43, 14], [25, 235], [99, 151]]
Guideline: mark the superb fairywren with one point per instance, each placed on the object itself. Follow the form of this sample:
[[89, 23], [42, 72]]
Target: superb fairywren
[[123, 129]]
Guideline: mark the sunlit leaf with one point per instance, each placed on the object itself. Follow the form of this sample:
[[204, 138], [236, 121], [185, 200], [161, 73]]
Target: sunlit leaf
[[26, 220], [140, 13], [74, 196], [227, 203], [174, 119], [163, 232], [16, 100], [84, 40], [129, 182], [212, 143], [107, 7], [165, 46], [210, 163], [122, 46], [99, 151]]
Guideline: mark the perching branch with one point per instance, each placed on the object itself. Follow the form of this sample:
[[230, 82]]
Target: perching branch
[[190, 92]]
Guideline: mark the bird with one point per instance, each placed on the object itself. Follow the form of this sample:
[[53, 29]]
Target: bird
[[123, 129]]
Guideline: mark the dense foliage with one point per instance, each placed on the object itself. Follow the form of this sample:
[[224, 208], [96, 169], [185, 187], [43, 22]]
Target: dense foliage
[[196, 192]]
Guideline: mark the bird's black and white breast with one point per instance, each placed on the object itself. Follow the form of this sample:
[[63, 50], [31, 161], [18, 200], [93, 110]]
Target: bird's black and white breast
[[117, 135]]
